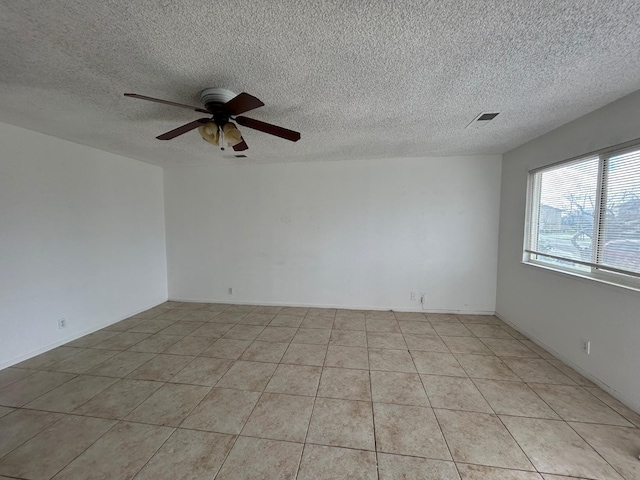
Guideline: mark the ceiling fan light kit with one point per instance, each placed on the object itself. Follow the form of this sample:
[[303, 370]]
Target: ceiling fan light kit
[[222, 105]]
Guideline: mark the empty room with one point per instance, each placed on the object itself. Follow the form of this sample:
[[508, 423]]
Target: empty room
[[325, 240]]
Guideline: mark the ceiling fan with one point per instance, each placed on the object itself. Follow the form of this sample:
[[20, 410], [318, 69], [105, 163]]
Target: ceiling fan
[[222, 105]]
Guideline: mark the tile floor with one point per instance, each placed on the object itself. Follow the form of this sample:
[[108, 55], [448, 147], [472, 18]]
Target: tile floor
[[203, 391]]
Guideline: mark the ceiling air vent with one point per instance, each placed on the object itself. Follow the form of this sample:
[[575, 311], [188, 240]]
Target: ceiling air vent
[[482, 119]]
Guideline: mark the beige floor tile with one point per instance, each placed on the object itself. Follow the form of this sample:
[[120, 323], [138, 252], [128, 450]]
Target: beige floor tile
[[280, 417], [257, 319], [470, 345], [396, 387], [301, 354], [223, 410], [425, 343], [295, 380], [277, 334], [314, 336], [228, 317], [354, 323], [474, 319], [560, 477], [122, 364], [161, 368], [489, 331], [21, 425], [29, 388], [410, 316], [91, 339], [151, 326], [434, 363], [5, 411], [416, 327], [47, 359], [578, 405], [325, 322], [51, 450], [241, 308], [375, 324], [69, 396], [479, 472], [274, 310], [347, 357], [213, 330], [537, 370], [202, 315], [156, 343], [408, 430], [442, 318], [302, 311], [190, 346], [227, 348], [320, 462], [454, 393], [452, 330], [534, 347], [486, 366], [119, 453], [322, 312], [349, 313], [260, 459], [481, 439], [122, 341], [399, 467], [505, 347], [119, 399], [264, 352], [248, 376], [386, 340], [291, 321], [342, 423], [203, 371], [571, 373], [617, 445], [379, 315], [617, 405], [246, 332], [348, 338], [12, 375], [83, 361], [513, 332], [188, 455], [391, 360], [554, 447], [346, 383], [169, 405], [514, 398]]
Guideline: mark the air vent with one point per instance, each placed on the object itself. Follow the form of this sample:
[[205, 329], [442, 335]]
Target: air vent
[[482, 119]]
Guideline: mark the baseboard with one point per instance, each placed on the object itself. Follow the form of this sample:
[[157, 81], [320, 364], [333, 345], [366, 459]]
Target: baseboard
[[614, 393], [329, 305], [75, 336]]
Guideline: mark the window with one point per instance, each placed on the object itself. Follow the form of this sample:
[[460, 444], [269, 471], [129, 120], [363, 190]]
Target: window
[[583, 216]]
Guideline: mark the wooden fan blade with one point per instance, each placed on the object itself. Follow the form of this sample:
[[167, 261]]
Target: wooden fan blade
[[241, 103], [165, 102], [183, 129], [241, 147], [268, 128]]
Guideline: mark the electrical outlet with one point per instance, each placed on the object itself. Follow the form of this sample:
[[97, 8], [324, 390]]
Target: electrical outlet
[[62, 323], [586, 346], [413, 296], [230, 291]]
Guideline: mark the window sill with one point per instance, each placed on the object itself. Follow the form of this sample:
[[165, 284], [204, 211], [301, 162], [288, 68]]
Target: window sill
[[630, 288]]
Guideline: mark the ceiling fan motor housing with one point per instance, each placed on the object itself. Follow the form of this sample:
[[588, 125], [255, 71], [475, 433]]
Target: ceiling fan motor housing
[[214, 97]]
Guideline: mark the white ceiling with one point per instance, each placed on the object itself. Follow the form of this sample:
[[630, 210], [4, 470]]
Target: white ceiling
[[358, 78]]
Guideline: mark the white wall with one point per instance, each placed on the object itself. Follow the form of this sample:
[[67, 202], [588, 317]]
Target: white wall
[[556, 309], [353, 234], [81, 237]]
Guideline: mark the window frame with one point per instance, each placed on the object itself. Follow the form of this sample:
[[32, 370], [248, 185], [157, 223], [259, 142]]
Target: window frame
[[594, 272]]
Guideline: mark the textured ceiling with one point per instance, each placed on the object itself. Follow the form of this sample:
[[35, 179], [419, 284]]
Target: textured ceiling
[[358, 79]]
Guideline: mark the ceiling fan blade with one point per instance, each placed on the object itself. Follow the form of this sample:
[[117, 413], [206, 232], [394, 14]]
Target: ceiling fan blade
[[165, 102], [241, 103], [241, 147], [268, 128], [183, 129]]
